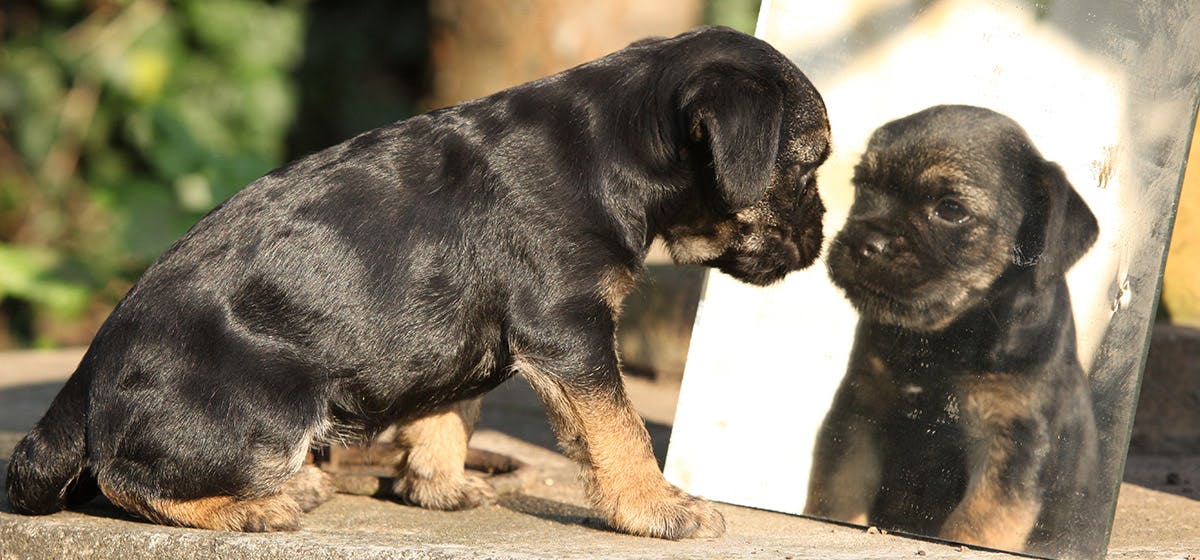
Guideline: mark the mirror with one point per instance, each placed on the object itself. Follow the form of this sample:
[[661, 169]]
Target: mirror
[[963, 362]]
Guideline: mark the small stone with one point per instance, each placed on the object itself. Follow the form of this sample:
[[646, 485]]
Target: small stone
[[883, 531], [921, 552], [962, 548], [1173, 478], [872, 530]]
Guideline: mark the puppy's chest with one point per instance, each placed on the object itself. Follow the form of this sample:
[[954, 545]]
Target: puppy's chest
[[938, 404]]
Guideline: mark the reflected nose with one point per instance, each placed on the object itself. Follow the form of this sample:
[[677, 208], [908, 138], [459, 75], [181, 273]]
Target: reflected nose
[[873, 244]]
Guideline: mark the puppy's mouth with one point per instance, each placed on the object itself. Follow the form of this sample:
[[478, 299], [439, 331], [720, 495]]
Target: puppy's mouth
[[766, 247], [759, 270], [763, 259]]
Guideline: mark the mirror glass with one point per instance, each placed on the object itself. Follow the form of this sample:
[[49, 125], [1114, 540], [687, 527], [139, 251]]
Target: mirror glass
[[963, 361]]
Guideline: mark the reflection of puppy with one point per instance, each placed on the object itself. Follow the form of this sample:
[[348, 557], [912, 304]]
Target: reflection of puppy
[[964, 413], [391, 278]]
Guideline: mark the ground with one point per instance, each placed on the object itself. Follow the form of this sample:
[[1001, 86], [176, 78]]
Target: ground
[[1158, 515]]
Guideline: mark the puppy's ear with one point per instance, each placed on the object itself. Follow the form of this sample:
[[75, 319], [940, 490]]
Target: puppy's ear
[[1059, 227], [738, 116]]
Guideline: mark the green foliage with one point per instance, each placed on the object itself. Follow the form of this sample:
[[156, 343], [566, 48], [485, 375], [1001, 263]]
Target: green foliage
[[122, 123]]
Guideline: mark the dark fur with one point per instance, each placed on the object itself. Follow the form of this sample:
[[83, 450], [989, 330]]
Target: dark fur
[[420, 264], [964, 387]]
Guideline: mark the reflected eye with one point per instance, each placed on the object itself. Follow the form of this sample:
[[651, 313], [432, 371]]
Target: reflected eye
[[803, 180], [806, 181], [949, 210]]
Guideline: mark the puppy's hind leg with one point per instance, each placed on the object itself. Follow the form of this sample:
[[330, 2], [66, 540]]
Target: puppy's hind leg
[[277, 512], [267, 490], [431, 472]]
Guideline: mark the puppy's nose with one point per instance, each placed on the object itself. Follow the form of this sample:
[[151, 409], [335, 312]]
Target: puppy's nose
[[872, 244]]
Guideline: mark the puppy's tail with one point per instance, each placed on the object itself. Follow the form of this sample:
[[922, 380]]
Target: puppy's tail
[[48, 465]]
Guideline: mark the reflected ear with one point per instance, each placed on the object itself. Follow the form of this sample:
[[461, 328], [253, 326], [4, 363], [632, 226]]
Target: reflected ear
[[1059, 228], [738, 117]]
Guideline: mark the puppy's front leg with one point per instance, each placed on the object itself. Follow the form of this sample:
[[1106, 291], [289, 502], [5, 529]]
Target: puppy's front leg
[[846, 464], [597, 427], [995, 512], [431, 472], [1002, 502]]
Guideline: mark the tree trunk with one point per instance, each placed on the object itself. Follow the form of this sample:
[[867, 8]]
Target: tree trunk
[[479, 47]]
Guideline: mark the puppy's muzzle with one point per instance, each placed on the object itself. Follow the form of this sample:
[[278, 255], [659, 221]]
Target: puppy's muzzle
[[870, 243], [766, 248]]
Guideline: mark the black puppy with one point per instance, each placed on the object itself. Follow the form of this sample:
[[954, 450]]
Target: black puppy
[[390, 279], [965, 413]]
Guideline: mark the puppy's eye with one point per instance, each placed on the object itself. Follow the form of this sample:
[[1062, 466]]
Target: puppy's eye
[[805, 181], [949, 210]]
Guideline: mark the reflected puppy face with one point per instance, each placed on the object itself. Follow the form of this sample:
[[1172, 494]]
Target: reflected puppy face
[[947, 201], [757, 215]]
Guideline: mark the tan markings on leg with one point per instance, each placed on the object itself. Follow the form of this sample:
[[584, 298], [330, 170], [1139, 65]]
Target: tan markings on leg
[[616, 283], [990, 514], [844, 488], [221, 513], [602, 432], [990, 517], [431, 472]]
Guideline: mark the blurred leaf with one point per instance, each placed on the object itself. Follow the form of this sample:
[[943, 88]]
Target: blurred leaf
[[42, 277], [148, 74], [148, 218], [251, 35], [738, 14]]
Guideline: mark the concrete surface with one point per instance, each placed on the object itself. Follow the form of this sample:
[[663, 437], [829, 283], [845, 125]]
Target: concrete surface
[[1158, 515]]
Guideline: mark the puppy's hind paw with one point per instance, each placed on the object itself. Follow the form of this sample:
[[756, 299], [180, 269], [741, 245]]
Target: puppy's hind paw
[[269, 521], [310, 487], [444, 492]]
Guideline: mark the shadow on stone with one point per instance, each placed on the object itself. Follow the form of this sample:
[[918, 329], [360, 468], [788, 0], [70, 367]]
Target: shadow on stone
[[24, 405], [5, 507], [550, 510]]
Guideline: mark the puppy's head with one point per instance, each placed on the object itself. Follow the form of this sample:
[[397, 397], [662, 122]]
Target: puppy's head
[[947, 201], [753, 131]]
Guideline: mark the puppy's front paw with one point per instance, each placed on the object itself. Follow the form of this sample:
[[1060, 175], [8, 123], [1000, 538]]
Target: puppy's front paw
[[675, 516], [444, 492]]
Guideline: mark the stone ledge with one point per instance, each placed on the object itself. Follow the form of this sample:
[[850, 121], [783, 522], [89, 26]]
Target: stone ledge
[[1155, 518]]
